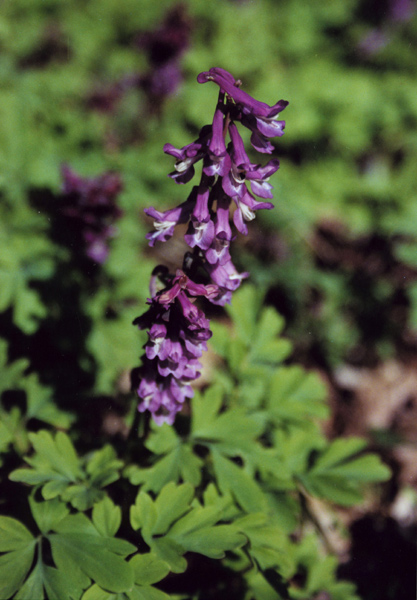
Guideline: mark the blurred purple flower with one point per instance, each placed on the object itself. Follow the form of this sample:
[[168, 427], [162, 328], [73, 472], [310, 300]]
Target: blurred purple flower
[[90, 203]]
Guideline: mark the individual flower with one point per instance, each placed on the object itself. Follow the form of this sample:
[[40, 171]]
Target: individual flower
[[164, 222], [201, 228], [219, 249], [243, 170], [217, 160], [187, 156], [227, 278]]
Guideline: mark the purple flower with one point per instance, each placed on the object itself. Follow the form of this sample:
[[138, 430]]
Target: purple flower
[[227, 279], [177, 328], [187, 156], [257, 116], [163, 397], [402, 10], [164, 47], [242, 169], [165, 222], [244, 212], [201, 228], [177, 332], [219, 249], [247, 104], [90, 204], [217, 160]]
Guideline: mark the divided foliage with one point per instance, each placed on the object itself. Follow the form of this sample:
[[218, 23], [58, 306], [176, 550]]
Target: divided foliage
[[95, 504], [225, 484]]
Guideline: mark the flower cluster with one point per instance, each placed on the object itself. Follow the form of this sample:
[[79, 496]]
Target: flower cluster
[[227, 193], [91, 205], [178, 332]]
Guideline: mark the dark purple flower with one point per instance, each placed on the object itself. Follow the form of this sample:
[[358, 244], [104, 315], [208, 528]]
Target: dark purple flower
[[402, 10], [164, 47], [90, 204], [219, 249], [242, 169], [164, 222], [187, 156], [163, 396], [217, 159], [227, 279], [201, 228], [170, 40], [244, 211], [178, 332], [259, 117]]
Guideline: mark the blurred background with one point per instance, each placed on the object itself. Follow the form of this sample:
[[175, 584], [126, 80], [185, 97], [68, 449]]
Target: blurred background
[[91, 90]]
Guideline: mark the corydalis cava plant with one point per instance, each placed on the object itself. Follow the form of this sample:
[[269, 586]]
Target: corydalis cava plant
[[178, 331]]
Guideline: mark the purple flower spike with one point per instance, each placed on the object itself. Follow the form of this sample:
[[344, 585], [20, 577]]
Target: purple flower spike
[[178, 330]]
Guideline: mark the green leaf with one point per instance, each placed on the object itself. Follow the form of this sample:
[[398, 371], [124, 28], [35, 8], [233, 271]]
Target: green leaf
[[47, 514], [296, 395], [212, 541], [243, 311], [268, 544], [96, 593], [107, 517], [55, 459], [147, 593], [82, 496], [33, 586], [232, 478], [59, 471], [172, 502], [232, 430], [103, 467], [170, 552], [13, 535], [186, 527], [58, 585], [94, 558], [265, 348], [179, 464], [338, 473], [14, 567], [148, 568], [143, 514]]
